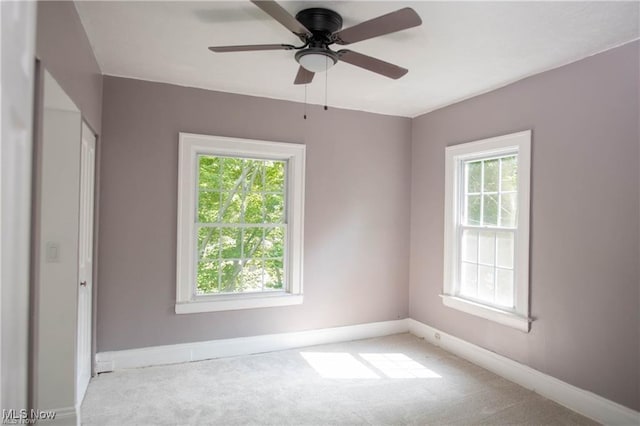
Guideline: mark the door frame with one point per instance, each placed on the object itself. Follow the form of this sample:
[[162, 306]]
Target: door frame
[[18, 25]]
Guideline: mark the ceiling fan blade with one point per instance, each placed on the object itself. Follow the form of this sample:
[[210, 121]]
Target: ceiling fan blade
[[372, 64], [385, 24], [278, 13], [304, 76], [250, 47]]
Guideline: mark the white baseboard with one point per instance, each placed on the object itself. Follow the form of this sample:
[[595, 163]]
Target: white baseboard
[[172, 354], [576, 399], [579, 400]]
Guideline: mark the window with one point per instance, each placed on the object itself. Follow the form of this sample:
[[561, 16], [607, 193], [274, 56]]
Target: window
[[486, 271], [240, 212]]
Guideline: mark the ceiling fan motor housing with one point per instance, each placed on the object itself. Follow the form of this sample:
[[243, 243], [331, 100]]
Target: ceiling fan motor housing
[[321, 22]]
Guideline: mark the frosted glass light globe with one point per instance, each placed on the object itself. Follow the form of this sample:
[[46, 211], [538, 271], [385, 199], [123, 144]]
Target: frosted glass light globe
[[316, 62]]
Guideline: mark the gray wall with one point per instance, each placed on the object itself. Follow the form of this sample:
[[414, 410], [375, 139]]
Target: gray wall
[[63, 47], [356, 214], [584, 220]]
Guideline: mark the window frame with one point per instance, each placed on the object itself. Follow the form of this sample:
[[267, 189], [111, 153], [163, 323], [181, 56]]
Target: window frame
[[190, 146], [455, 158]]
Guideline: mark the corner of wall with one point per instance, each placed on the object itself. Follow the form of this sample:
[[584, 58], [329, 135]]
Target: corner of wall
[[63, 47]]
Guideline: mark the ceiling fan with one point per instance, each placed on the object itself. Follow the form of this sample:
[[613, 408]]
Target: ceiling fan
[[318, 28]]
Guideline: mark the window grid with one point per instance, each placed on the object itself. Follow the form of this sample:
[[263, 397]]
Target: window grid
[[481, 193], [482, 227], [498, 219], [242, 225]]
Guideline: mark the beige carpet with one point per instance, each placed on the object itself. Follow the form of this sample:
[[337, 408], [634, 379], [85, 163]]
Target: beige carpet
[[394, 380]]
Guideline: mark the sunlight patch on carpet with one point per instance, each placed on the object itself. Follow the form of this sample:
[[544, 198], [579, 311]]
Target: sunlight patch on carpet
[[399, 366], [338, 365], [343, 365]]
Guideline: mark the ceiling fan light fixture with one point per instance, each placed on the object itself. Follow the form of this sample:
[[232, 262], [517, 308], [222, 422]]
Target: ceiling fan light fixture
[[316, 59]]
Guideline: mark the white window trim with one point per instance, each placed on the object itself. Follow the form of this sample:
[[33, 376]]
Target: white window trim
[[192, 145], [517, 142]]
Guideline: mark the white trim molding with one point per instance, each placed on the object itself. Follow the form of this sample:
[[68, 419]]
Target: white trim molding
[[579, 400], [515, 312], [293, 155], [198, 351], [241, 301], [497, 315]]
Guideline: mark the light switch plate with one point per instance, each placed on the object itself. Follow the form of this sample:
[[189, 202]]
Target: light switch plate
[[52, 252]]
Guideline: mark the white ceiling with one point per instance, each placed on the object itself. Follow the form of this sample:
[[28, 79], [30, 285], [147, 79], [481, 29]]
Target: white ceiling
[[462, 48]]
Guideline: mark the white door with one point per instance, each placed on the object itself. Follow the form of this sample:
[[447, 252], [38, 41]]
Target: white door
[[85, 261]]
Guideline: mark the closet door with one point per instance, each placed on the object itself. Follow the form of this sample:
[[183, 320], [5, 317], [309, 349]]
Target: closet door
[[85, 261]]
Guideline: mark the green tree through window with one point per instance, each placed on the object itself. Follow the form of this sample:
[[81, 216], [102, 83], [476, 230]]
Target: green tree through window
[[240, 224]]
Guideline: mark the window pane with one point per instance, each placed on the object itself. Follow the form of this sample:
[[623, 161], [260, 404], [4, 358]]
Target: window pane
[[508, 210], [259, 251], [207, 277], [208, 206], [274, 206], [231, 207], [274, 176], [505, 248], [252, 170], [510, 173], [469, 279], [250, 277], [486, 283], [252, 241], [491, 174], [504, 290], [254, 175], [486, 248], [254, 208], [490, 210], [208, 243], [474, 176], [230, 270], [470, 246], [208, 172], [232, 171], [273, 243], [231, 243], [273, 274], [473, 210]]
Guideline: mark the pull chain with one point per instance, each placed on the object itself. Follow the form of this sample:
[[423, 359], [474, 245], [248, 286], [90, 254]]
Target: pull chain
[[305, 101], [326, 77]]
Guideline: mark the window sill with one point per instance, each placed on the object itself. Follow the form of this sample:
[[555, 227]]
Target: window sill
[[502, 317], [232, 303]]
